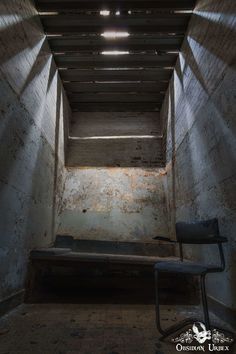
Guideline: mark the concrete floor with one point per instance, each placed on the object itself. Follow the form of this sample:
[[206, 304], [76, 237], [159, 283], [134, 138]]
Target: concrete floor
[[86, 329]]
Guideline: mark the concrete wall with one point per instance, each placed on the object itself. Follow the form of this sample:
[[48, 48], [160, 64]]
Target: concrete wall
[[114, 204], [95, 124], [125, 139], [109, 203], [201, 134], [32, 106]]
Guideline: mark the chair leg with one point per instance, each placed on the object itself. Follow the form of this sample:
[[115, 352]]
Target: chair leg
[[206, 311], [174, 328], [204, 302], [157, 303]]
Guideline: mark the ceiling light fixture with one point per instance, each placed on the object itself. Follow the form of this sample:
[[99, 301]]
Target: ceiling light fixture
[[117, 13], [114, 52], [183, 11], [172, 52], [105, 12], [48, 13], [115, 137], [114, 34]]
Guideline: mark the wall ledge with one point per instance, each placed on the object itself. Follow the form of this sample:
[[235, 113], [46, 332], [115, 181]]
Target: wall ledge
[[227, 314], [11, 302]]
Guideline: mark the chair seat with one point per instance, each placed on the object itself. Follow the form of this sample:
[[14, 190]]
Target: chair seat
[[182, 267]]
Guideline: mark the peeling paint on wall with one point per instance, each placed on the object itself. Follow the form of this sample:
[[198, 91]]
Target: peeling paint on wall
[[113, 204]]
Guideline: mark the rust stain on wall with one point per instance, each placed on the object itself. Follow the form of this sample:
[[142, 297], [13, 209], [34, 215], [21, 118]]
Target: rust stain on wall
[[126, 203]]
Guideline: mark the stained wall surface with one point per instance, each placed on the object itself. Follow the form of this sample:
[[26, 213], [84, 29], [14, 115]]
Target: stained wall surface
[[111, 193], [123, 204], [115, 124], [32, 106], [201, 135], [115, 139]]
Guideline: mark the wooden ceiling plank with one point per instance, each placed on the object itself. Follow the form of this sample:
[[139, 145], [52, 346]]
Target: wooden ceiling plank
[[114, 21], [161, 48], [76, 45], [117, 64], [57, 5], [74, 75], [98, 29], [114, 97], [110, 61], [75, 39], [111, 87], [116, 107], [114, 42]]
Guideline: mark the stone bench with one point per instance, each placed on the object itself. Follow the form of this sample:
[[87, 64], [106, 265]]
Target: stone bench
[[66, 255]]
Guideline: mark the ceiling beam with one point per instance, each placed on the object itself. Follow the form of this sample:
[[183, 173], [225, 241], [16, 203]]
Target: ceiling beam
[[75, 24], [98, 29], [126, 5], [135, 82], [115, 21], [116, 107], [110, 61], [114, 97], [75, 75], [116, 87], [125, 44]]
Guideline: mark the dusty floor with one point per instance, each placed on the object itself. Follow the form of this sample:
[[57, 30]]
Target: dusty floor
[[86, 329]]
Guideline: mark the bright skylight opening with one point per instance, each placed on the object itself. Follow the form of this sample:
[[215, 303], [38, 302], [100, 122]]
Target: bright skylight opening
[[173, 52], [115, 52], [54, 35], [48, 13], [183, 11], [114, 34], [115, 137], [105, 12]]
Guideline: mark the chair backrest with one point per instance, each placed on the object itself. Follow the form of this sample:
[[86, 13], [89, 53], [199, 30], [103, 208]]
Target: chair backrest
[[199, 232]]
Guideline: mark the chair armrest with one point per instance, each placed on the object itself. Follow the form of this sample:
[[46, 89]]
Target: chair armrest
[[164, 238], [202, 240], [221, 239]]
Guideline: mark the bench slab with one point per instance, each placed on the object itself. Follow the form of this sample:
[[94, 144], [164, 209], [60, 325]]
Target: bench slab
[[66, 255]]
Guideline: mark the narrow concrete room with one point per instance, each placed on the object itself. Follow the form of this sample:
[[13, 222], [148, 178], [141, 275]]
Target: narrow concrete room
[[117, 176]]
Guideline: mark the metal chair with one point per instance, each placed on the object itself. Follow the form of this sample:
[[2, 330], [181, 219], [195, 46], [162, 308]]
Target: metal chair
[[203, 232]]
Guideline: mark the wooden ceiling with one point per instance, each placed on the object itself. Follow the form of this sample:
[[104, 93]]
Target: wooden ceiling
[[130, 82]]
